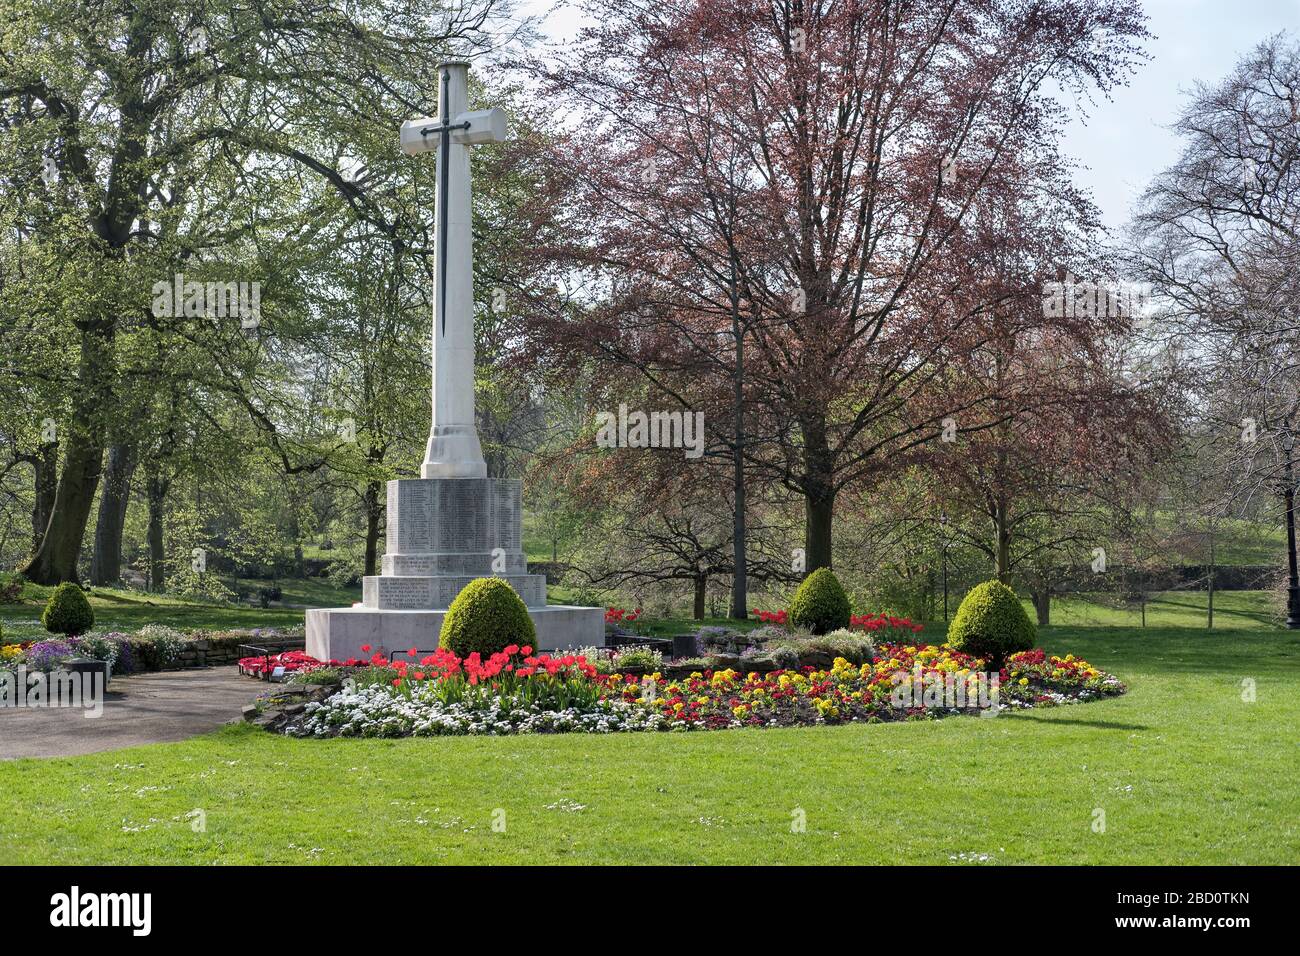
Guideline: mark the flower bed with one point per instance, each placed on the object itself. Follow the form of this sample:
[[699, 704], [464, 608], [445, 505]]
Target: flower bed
[[151, 648], [884, 622], [287, 662], [519, 692]]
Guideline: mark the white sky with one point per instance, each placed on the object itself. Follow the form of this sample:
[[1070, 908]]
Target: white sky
[[1125, 141]]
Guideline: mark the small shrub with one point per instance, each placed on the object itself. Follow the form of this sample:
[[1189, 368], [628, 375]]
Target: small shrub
[[820, 604], [768, 632], [646, 657], [486, 616], [68, 612], [11, 588], [991, 623], [97, 647], [328, 676], [720, 640], [785, 656], [821, 649], [157, 645]]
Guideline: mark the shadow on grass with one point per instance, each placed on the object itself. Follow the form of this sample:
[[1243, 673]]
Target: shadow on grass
[[1263, 617], [1095, 724]]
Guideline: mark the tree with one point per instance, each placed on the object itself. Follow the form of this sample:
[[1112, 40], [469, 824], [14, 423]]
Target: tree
[[1217, 235], [766, 197], [132, 112]]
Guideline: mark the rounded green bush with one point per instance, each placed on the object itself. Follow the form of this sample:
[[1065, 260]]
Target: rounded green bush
[[820, 604], [68, 612], [991, 623], [486, 616]]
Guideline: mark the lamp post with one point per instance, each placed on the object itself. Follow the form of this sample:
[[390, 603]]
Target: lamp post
[[943, 523], [1288, 496]]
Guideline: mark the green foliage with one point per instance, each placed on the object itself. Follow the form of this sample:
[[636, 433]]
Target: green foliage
[[767, 632], [640, 656], [820, 604], [819, 650], [329, 676], [991, 623], [156, 646], [68, 612], [486, 616], [99, 648], [720, 640], [11, 588]]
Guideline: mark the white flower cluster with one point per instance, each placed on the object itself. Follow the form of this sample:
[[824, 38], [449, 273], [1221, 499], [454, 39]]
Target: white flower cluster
[[379, 711]]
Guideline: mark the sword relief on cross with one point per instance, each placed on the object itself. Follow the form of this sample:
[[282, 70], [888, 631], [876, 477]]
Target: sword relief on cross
[[426, 135]]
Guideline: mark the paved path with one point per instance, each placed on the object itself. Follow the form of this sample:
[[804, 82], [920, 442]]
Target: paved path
[[139, 709]]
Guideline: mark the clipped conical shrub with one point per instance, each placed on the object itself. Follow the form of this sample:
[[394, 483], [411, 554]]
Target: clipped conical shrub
[[991, 623], [486, 616], [820, 604], [68, 611]]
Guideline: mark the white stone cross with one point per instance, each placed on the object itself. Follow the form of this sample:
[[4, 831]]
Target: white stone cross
[[453, 450]]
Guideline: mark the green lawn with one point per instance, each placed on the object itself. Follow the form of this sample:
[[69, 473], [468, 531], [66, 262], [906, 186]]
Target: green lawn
[[1232, 610], [1183, 768], [123, 610]]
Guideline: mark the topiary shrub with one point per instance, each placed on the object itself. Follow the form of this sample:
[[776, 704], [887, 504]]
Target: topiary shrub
[[68, 612], [991, 623], [820, 604], [486, 616]]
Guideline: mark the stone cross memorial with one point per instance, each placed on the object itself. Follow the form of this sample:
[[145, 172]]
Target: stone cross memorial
[[453, 523]]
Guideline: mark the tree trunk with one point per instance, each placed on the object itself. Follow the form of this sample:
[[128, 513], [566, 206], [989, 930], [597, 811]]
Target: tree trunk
[[701, 589], [1043, 605], [55, 560], [106, 564], [1209, 621], [374, 511], [740, 572], [1002, 527], [157, 495], [45, 477], [819, 511], [819, 493]]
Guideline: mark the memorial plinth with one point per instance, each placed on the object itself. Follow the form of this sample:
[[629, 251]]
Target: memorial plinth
[[442, 534], [453, 524]]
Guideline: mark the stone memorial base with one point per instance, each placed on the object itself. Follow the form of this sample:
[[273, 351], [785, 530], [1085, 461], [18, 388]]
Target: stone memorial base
[[338, 633], [442, 534]]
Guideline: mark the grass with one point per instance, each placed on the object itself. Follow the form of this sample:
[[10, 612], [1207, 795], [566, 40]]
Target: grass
[[1232, 610], [119, 609], [1184, 770]]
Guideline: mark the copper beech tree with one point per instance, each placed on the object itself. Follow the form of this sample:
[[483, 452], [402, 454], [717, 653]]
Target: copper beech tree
[[763, 215]]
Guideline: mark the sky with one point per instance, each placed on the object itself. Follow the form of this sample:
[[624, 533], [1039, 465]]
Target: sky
[[1125, 141]]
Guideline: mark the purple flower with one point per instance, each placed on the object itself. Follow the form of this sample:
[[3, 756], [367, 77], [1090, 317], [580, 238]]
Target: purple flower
[[45, 655]]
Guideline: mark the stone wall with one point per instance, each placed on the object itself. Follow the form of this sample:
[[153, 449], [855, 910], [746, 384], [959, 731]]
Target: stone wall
[[209, 652]]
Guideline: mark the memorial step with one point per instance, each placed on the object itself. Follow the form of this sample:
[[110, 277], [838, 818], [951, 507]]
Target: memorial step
[[422, 592], [477, 564]]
